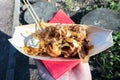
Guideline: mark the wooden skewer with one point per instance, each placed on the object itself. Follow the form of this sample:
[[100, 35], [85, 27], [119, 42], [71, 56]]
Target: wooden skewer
[[33, 14], [33, 11]]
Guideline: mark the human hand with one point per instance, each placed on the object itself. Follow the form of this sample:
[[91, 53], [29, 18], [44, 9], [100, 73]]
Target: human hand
[[80, 72]]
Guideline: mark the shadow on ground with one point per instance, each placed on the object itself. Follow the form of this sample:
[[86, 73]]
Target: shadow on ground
[[4, 54], [21, 67], [24, 69]]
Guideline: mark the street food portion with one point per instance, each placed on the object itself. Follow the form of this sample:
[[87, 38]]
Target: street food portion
[[69, 41]]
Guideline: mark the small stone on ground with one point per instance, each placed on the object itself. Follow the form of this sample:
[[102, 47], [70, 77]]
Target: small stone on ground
[[103, 17], [44, 10]]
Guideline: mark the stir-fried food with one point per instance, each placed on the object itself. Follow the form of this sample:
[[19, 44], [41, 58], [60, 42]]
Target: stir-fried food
[[60, 41]]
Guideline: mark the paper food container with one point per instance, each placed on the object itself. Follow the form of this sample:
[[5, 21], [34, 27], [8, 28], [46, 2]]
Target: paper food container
[[100, 38]]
